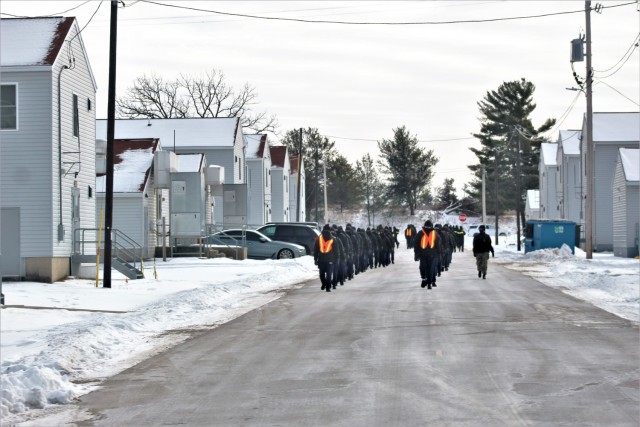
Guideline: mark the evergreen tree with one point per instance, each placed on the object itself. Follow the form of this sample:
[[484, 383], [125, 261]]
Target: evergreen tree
[[315, 149], [409, 168], [342, 183], [370, 187], [446, 195], [510, 147]]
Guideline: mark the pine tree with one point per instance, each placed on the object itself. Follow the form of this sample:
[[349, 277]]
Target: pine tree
[[408, 167], [510, 147], [342, 183], [446, 195], [370, 187]]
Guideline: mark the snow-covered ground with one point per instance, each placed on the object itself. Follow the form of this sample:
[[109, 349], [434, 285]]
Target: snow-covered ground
[[84, 334]]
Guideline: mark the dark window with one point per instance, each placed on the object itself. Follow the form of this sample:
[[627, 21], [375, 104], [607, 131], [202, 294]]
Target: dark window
[[76, 117], [8, 107], [269, 231]]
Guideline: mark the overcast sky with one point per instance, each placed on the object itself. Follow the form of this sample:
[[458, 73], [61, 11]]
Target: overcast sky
[[356, 83]]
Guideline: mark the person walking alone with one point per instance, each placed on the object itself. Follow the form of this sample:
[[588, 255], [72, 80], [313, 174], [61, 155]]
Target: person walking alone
[[481, 248]]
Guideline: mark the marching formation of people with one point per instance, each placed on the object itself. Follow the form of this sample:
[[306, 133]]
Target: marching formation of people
[[340, 254]]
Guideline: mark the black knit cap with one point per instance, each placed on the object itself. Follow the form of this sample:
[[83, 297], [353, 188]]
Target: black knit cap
[[428, 224]]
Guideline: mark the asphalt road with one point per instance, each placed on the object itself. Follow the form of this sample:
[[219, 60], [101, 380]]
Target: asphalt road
[[382, 351]]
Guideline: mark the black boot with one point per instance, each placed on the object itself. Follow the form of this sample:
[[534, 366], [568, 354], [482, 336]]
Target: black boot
[[424, 283]]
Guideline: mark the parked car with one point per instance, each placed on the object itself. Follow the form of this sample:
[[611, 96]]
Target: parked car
[[473, 229], [298, 233], [258, 245]]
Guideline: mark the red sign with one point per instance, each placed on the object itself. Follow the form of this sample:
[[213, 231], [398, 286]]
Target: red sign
[[462, 217]]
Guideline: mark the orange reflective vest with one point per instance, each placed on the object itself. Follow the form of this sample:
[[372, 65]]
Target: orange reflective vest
[[428, 239], [325, 246], [408, 232]]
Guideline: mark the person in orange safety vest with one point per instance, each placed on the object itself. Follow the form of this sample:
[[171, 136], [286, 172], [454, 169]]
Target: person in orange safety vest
[[325, 254], [426, 249], [410, 234]]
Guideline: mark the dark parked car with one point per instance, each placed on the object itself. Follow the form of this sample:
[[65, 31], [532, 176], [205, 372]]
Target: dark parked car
[[258, 245], [298, 233]]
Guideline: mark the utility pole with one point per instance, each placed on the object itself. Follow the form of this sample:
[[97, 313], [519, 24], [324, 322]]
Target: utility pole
[[589, 167], [111, 118], [298, 206], [324, 167], [518, 195], [316, 183]]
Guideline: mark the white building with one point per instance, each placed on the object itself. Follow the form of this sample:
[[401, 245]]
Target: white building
[[626, 203], [548, 178], [570, 183], [611, 131], [258, 157], [219, 139], [135, 198], [297, 189], [47, 145], [280, 175], [532, 205]]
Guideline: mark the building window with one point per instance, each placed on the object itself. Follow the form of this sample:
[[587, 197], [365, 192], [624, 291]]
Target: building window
[[76, 117], [9, 107]]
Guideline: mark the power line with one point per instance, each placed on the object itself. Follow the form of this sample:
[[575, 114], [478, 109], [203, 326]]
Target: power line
[[376, 140], [88, 22], [50, 15], [616, 90], [309, 21], [624, 59]]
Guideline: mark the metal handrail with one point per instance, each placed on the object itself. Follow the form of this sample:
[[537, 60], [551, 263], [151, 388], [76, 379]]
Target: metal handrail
[[222, 243], [80, 244]]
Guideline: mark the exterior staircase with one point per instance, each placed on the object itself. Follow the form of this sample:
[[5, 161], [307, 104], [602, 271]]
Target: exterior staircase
[[126, 253]]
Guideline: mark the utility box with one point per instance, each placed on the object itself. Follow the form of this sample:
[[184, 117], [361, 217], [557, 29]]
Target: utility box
[[543, 234]]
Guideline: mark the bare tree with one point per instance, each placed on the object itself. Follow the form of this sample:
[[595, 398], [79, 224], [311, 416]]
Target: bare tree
[[207, 95]]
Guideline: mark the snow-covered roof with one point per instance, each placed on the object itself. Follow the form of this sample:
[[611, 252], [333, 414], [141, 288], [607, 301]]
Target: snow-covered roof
[[616, 127], [190, 162], [533, 199], [548, 153], [208, 132], [630, 159], [255, 146], [132, 163], [32, 41], [570, 140]]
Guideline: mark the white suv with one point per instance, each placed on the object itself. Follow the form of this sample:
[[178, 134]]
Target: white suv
[[473, 229]]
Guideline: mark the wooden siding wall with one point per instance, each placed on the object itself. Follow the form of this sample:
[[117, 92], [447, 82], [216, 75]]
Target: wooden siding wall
[[255, 192], [26, 174], [74, 81], [626, 213], [29, 156], [571, 189], [278, 194], [606, 156]]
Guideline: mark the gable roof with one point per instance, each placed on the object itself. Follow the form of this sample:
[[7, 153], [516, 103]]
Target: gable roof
[[293, 164], [32, 41], [630, 159], [198, 132], [255, 146], [278, 155], [570, 141], [616, 127], [548, 152], [132, 161]]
